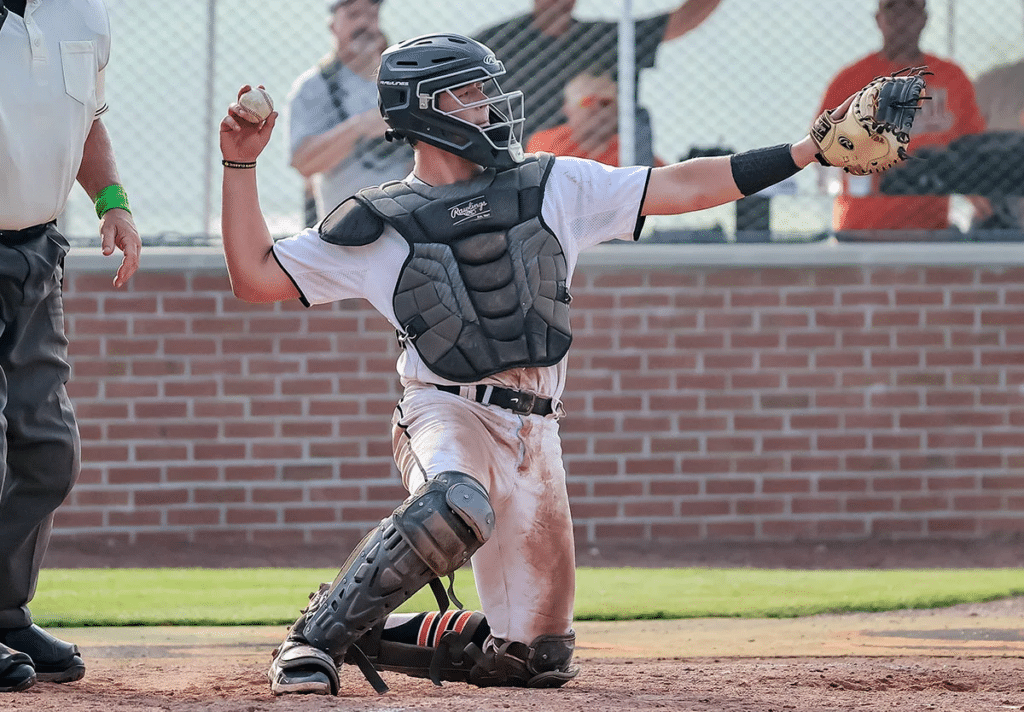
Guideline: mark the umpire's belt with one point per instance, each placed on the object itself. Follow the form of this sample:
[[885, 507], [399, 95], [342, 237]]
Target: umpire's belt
[[520, 402], [20, 237]]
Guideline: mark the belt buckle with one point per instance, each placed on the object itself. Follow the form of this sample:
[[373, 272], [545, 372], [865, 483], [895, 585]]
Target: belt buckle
[[521, 402]]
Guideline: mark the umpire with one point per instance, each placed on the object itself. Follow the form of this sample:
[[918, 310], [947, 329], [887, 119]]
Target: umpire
[[53, 53]]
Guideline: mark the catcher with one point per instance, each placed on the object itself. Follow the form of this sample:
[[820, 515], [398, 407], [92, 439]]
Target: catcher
[[471, 258]]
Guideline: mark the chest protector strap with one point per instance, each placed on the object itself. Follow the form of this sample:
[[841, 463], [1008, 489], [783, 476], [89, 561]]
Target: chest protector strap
[[484, 287]]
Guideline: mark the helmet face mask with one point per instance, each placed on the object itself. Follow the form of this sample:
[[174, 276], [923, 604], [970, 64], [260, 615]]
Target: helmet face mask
[[418, 75], [504, 111]]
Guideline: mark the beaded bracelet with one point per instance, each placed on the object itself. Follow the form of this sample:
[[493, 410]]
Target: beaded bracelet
[[238, 164]]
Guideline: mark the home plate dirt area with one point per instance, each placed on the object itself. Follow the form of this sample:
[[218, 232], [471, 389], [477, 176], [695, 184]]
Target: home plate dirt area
[[967, 658]]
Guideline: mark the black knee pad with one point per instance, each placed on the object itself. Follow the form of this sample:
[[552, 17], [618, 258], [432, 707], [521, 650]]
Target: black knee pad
[[431, 534], [446, 520]]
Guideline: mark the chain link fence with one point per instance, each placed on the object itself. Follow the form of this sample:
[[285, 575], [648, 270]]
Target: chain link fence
[[753, 74]]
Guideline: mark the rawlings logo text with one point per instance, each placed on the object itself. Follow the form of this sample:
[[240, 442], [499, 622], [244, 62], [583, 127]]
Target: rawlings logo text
[[472, 209]]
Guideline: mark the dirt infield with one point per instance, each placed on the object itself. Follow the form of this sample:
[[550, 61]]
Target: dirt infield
[[961, 659]]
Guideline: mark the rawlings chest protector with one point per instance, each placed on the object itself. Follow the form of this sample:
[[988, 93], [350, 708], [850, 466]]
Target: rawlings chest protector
[[484, 287]]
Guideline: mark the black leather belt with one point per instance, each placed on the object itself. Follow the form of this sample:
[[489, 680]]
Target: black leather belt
[[520, 402], [20, 237]]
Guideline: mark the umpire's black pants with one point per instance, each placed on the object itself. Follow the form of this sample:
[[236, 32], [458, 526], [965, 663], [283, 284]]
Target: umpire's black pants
[[40, 447]]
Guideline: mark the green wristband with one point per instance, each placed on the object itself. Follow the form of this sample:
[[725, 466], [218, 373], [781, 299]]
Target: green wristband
[[113, 196]]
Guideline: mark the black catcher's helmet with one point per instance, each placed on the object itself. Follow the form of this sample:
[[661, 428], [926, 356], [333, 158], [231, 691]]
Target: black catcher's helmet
[[415, 72]]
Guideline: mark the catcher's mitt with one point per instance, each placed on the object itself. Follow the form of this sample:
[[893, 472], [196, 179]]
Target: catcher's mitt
[[874, 133]]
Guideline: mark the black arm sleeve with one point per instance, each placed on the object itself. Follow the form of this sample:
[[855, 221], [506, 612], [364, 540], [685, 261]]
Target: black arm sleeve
[[755, 170]]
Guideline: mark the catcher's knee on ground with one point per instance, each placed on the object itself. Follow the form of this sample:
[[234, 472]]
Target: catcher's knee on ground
[[431, 534], [456, 646], [546, 662]]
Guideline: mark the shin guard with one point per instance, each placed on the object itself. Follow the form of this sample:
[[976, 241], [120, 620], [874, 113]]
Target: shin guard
[[431, 534]]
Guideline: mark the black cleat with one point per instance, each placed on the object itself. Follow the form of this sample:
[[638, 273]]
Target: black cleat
[[54, 659], [16, 671]]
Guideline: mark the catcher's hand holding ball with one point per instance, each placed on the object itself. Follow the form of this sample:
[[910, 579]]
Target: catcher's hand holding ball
[[255, 105], [870, 131], [246, 129]]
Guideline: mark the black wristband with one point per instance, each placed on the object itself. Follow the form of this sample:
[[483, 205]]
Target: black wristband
[[753, 171], [238, 164]]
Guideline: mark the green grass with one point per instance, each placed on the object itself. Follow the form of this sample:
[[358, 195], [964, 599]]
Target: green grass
[[121, 597]]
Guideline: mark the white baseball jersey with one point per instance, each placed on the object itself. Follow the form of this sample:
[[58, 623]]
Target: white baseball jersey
[[526, 572]]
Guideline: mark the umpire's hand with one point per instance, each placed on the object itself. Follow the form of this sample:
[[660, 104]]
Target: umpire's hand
[[117, 229]]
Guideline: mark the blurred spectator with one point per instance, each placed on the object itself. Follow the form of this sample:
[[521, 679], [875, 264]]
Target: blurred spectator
[[1000, 93], [309, 216], [546, 48], [336, 131], [951, 112], [591, 130]]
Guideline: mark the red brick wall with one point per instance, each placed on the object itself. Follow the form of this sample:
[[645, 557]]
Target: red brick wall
[[714, 402]]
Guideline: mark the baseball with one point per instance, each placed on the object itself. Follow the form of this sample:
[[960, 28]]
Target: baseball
[[258, 103]]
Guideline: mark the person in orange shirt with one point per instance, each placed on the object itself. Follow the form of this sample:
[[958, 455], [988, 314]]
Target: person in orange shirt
[[950, 112], [591, 131]]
